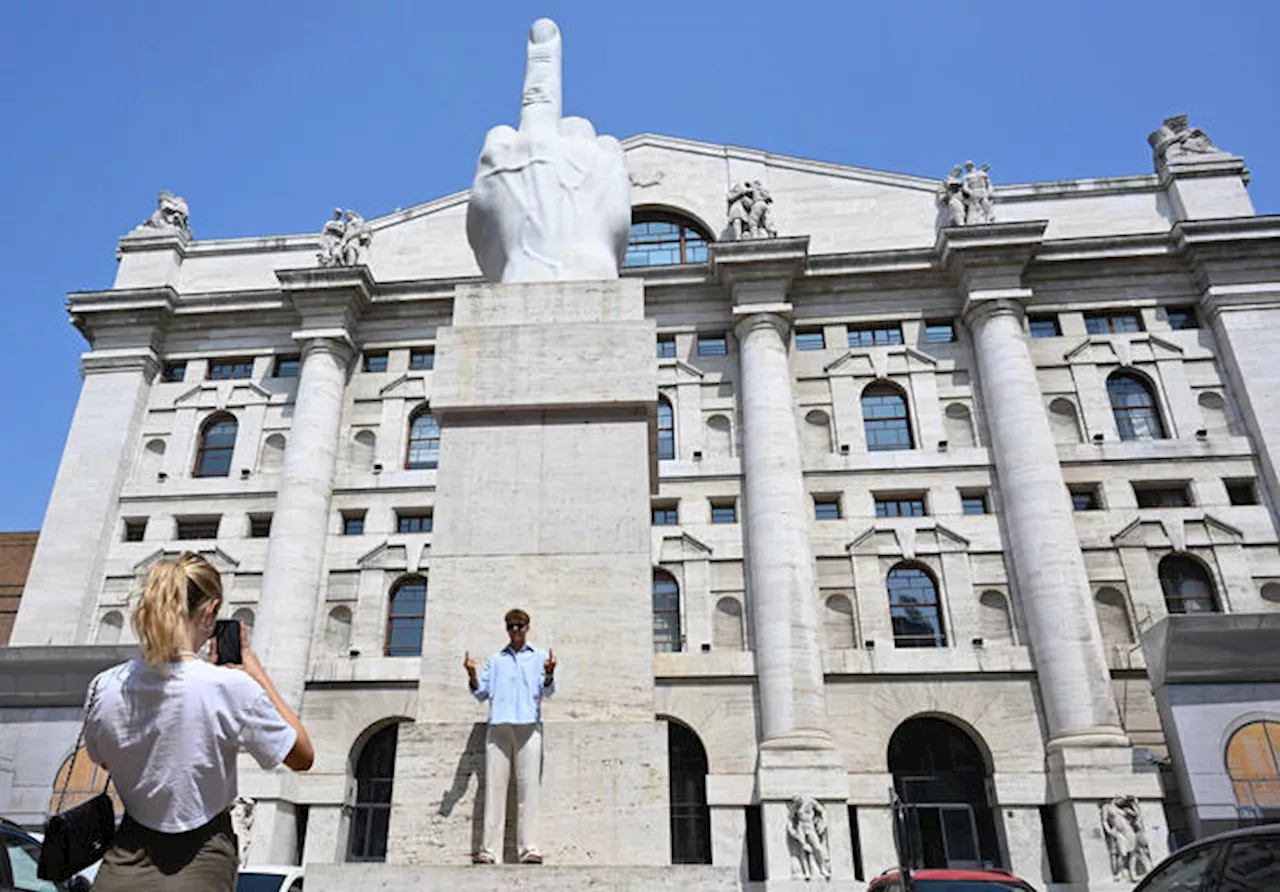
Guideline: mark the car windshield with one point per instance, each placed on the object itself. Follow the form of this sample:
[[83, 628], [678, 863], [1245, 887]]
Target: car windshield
[[971, 886], [259, 882]]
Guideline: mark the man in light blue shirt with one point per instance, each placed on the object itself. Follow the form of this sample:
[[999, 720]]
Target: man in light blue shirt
[[514, 681]]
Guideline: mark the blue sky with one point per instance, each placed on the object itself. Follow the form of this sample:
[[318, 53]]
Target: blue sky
[[266, 115]]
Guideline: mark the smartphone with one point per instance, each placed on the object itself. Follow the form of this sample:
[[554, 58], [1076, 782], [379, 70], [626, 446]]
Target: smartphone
[[227, 634]]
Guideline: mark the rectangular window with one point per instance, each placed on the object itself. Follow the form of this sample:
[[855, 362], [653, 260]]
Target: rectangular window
[[1182, 318], [197, 527], [1085, 498], [811, 339], [375, 362], [174, 371], [259, 526], [226, 369], [826, 508], [1043, 327], [422, 359], [286, 367], [1112, 323], [1162, 495], [665, 514], [353, 523], [1242, 492], [883, 335], [413, 522], [900, 506], [939, 331], [666, 346], [974, 503], [724, 511], [135, 529], [713, 345]]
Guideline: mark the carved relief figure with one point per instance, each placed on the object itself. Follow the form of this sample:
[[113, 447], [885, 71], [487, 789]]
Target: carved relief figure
[[750, 211], [344, 239], [551, 201], [951, 198], [1175, 140], [1126, 837], [242, 823], [807, 838], [976, 185], [171, 214]]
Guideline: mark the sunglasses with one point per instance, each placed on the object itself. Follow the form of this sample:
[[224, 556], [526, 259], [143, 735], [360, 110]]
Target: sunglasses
[[511, 627]]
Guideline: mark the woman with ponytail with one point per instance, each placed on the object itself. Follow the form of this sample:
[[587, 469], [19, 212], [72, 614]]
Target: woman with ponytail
[[168, 726]]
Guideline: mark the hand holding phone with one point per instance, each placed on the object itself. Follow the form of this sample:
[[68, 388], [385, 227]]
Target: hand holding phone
[[226, 636]]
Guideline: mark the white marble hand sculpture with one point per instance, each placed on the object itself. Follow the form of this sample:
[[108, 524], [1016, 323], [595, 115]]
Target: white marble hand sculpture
[[551, 201]]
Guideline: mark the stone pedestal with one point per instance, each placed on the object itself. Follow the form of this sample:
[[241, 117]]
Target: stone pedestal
[[546, 395]]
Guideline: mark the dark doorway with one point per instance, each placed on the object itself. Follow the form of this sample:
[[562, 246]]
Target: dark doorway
[[941, 776], [371, 812], [690, 817]]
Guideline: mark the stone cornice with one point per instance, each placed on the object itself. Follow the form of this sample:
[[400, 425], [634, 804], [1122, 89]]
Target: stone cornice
[[144, 360], [991, 256], [1192, 167], [759, 259], [128, 318]]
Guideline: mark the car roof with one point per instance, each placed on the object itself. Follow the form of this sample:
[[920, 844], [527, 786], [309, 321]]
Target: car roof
[[947, 873]]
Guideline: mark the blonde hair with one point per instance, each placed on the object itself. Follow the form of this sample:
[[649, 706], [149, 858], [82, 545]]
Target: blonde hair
[[172, 594]]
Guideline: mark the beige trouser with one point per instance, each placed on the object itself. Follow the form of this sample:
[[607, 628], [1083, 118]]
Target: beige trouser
[[504, 745]]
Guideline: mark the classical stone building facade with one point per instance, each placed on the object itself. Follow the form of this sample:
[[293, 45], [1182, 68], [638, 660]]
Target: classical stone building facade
[[919, 483]]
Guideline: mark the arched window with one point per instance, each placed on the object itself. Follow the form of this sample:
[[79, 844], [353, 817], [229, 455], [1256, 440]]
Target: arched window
[[83, 779], [217, 442], [884, 416], [405, 618], [659, 239], [666, 430], [942, 778], [1253, 764], [914, 608], [690, 816], [1134, 405], [371, 812], [424, 441], [666, 613], [110, 628], [1187, 586]]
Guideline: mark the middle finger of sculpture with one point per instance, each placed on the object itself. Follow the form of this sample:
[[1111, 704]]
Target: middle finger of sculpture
[[551, 201]]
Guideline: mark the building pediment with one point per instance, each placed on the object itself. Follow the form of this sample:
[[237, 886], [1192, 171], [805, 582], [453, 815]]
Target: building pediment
[[679, 370], [907, 538], [410, 386], [881, 362], [221, 561], [385, 556], [1123, 349], [1176, 533], [682, 547], [223, 395]]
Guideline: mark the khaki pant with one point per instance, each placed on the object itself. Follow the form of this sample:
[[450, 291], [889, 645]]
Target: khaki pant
[[143, 860], [505, 745]]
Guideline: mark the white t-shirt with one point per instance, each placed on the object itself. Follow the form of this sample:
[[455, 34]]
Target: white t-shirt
[[170, 735]]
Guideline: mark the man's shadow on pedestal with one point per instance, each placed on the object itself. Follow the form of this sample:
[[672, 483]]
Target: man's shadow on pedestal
[[471, 762]]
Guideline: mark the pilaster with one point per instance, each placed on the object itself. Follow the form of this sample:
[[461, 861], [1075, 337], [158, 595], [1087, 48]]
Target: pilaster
[[126, 330]]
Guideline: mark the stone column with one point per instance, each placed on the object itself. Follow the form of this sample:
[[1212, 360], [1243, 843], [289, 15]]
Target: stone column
[[299, 526], [66, 570], [328, 303], [797, 756], [1053, 585], [782, 590]]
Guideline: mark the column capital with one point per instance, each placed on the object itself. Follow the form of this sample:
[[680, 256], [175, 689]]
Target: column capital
[[759, 270], [775, 316], [979, 306], [328, 297], [335, 341], [124, 360], [988, 257]]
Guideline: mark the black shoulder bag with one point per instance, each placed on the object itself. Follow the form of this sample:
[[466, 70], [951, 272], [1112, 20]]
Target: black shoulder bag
[[79, 836]]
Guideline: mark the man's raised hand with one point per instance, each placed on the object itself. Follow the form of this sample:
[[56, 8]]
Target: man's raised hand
[[468, 663], [549, 667]]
